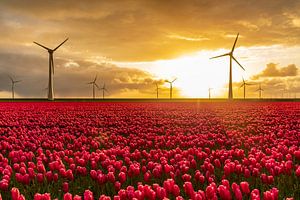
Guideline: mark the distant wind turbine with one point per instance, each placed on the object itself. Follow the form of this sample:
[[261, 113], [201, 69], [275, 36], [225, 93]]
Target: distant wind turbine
[[94, 84], [171, 86], [51, 67], [13, 82], [209, 91], [103, 90], [244, 85], [157, 88], [230, 54], [260, 90]]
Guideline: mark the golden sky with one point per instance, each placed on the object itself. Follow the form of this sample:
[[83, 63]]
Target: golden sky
[[133, 44]]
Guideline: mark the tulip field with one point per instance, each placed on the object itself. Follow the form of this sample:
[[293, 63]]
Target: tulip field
[[144, 150]]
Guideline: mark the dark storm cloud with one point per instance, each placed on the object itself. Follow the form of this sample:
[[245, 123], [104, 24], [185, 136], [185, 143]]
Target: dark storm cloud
[[273, 70], [150, 29], [71, 77]]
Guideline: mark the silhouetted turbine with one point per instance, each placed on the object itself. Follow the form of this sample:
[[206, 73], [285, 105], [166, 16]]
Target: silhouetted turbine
[[230, 54], [13, 82], [171, 86], [244, 85], [94, 84], [157, 88], [103, 90], [209, 89], [51, 68], [260, 90]]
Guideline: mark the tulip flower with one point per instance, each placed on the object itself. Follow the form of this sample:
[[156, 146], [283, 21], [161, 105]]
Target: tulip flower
[[15, 194], [68, 196], [245, 187], [88, 195]]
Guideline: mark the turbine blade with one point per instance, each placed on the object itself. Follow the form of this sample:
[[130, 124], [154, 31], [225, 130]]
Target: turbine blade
[[174, 80], [42, 46], [243, 80], [12, 80], [167, 81], [238, 63], [97, 86], [60, 44], [235, 42], [226, 54], [95, 79], [18, 81], [242, 85]]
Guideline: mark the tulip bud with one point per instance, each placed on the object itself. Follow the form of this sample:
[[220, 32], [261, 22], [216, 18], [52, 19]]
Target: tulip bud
[[68, 196], [65, 187], [15, 193], [88, 195], [245, 187]]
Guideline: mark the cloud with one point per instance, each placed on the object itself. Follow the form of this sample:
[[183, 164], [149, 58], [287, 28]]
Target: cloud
[[272, 70], [131, 30], [276, 81], [71, 78]]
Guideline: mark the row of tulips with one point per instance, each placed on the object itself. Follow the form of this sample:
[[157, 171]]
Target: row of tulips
[[170, 188], [174, 150]]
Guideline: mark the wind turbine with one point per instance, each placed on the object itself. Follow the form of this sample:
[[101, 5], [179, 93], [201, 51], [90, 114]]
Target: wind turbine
[[157, 88], [103, 90], [13, 82], [209, 89], [244, 85], [260, 90], [230, 54], [171, 86], [51, 67], [94, 84]]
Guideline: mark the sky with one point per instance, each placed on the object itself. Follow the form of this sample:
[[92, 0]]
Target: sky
[[131, 45]]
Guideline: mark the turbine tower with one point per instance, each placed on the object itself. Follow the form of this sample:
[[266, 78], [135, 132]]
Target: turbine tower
[[171, 86], [244, 85], [94, 84], [209, 91], [157, 88], [13, 82], [103, 90], [51, 68], [230, 54], [260, 90]]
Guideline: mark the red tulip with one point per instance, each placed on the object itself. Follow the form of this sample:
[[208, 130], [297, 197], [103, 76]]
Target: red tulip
[[88, 195], [65, 187], [224, 192], [68, 196], [245, 187], [188, 188], [122, 177], [15, 194]]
